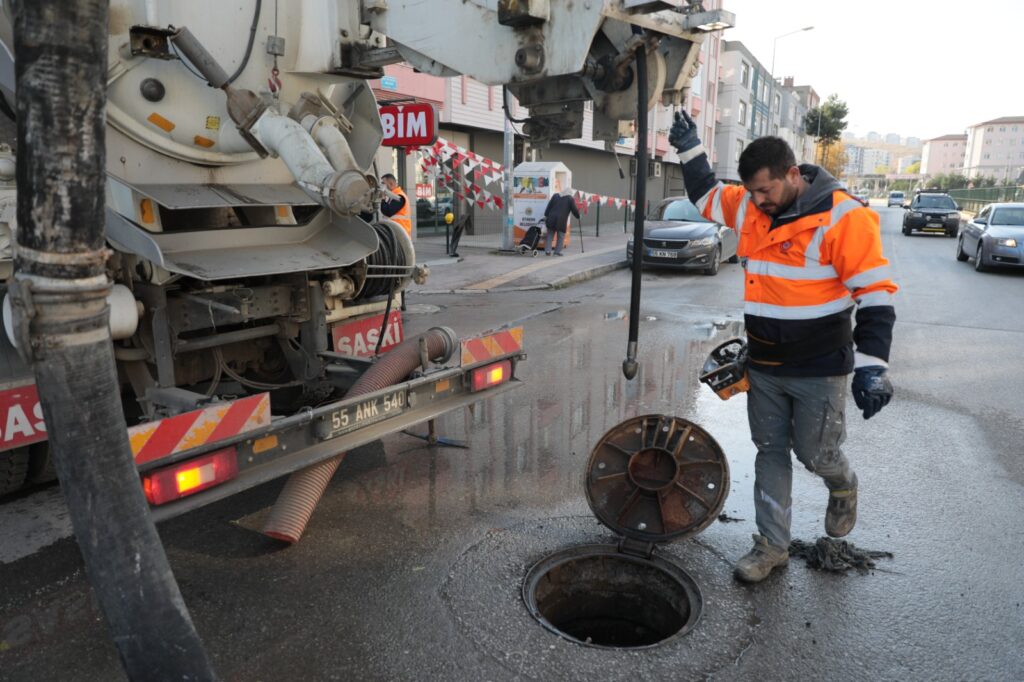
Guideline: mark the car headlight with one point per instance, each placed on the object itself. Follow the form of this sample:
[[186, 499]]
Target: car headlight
[[916, 214], [1012, 243], [706, 241], [953, 216]]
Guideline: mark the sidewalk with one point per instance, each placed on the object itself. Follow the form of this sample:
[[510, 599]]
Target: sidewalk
[[483, 268]]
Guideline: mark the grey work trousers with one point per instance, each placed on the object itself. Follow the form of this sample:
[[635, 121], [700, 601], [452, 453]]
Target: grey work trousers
[[805, 415], [556, 238]]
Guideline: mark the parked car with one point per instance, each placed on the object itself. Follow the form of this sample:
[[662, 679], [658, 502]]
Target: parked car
[[932, 211], [994, 237], [676, 235], [863, 196], [896, 199]]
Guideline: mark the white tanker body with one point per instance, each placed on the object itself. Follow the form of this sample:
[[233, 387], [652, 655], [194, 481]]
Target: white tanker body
[[240, 144]]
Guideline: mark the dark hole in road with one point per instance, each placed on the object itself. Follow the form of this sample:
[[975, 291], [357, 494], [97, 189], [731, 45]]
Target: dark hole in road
[[608, 599]]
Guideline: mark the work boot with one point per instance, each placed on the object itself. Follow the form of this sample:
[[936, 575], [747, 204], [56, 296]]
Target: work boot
[[841, 515], [756, 564]]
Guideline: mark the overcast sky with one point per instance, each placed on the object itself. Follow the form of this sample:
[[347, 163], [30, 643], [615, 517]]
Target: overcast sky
[[919, 68]]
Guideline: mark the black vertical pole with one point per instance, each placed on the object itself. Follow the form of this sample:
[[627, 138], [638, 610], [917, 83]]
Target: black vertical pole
[[59, 293], [597, 222], [629, 365]]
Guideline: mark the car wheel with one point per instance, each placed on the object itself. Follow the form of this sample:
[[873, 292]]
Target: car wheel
[[734, 259], [979, 260], [716, 259], [906, 229], [961, 255]]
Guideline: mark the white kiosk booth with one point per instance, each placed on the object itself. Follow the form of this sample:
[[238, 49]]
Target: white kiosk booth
[[533, 183]]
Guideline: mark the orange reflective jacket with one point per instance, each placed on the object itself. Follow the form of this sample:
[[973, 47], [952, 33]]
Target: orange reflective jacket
[[404, 215], [805, 274]]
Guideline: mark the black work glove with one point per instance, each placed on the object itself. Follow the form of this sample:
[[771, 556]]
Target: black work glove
[[872, 390], [683, 135]]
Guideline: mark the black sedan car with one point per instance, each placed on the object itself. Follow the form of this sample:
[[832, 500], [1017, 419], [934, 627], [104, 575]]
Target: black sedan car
[[994, 237], [676, 235], [932, 212]]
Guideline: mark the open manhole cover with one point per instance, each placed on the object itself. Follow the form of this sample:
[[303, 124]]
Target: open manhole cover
[[598, 596], [650, 479]]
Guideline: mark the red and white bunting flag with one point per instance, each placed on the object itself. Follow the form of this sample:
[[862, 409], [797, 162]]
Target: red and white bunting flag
[[618, 203], [497, 201]]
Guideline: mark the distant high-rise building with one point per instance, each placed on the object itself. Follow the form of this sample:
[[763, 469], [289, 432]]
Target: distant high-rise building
[[873, 137], [892, 138], [875, 160], [943, 155], [913, 142], [996, 148]]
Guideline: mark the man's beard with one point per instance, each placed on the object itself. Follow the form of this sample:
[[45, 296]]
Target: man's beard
[[775, 210]]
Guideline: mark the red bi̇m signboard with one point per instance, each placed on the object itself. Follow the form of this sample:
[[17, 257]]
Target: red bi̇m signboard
[[408, 125]]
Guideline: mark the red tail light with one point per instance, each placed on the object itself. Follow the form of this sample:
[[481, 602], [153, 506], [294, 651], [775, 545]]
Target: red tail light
[[491, 375], [187, 478]]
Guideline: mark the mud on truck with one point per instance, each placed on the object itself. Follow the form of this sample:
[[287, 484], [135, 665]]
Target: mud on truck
[[243, 227]]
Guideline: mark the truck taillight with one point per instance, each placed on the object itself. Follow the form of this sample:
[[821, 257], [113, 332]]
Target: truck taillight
[[187, 478], [491, 375]]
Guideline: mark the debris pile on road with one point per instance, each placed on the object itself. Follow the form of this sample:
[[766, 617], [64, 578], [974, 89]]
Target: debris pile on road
[[829, 554]]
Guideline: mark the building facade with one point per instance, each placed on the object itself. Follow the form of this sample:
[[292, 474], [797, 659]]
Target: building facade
[[995, 148], [943, 155]]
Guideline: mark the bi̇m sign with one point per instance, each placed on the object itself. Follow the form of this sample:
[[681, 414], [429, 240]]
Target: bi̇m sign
[[408, 125]]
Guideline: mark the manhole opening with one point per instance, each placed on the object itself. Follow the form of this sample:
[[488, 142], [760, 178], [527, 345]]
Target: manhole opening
[[613, 600]]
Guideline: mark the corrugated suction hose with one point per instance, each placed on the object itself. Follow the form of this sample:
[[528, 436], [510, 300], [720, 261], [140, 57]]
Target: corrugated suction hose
[[303, 491]]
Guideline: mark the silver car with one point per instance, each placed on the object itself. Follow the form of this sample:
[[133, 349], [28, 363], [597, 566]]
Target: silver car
[[995, 237], [676, 235]]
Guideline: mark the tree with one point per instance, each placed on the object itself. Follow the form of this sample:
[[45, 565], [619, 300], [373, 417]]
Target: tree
[[914, 168], [827, 123], [833, 159]]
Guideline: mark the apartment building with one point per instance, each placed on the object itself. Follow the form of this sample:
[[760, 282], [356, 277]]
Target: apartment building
[[943, 155], [995, 148], [752, 105]]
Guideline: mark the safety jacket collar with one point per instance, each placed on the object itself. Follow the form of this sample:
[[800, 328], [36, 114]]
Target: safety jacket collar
[[815, 199]]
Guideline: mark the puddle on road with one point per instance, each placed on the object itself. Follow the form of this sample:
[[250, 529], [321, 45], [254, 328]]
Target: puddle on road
[[422, 309]]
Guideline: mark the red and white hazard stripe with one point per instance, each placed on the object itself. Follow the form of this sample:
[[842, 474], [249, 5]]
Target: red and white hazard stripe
[[182, 432], [487, 347]]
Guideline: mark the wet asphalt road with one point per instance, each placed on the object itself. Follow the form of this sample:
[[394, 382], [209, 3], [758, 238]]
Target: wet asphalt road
[[412, 565]]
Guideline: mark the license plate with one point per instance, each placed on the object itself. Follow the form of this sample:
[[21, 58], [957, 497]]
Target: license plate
[[655, 253], [366, 412], [934, 225]]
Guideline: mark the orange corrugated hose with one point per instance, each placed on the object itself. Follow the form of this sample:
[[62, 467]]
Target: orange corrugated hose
[[302, 492]]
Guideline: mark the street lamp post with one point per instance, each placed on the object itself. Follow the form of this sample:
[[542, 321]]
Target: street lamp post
[[771, 73]]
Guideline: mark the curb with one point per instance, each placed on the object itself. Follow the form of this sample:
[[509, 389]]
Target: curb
[[590, 273], [564, 281]]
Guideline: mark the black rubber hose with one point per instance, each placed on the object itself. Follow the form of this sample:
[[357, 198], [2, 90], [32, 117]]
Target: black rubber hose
[[248, 47], [60, 49], [388, 254], [629, 365]]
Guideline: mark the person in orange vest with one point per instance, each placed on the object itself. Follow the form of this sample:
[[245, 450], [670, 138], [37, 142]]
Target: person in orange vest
[[813, 264], [395, 205]]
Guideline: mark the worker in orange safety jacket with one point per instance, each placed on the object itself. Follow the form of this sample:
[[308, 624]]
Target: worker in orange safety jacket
[[396, 204], [812, 260]]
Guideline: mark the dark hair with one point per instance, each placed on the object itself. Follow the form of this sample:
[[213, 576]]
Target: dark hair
[[388, 176], [766, 152]]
